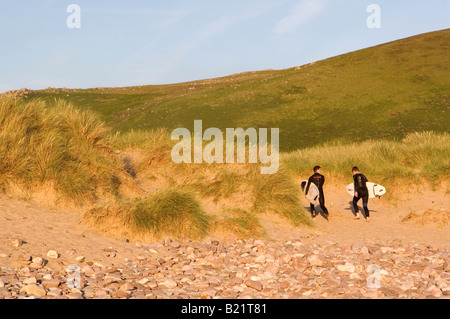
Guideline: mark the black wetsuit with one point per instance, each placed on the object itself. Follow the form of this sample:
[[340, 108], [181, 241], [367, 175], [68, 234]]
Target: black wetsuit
[[318, 180], [361, 188]]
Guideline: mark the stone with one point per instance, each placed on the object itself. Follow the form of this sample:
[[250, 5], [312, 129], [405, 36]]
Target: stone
[[101, 293], [122, 294], [39, 261], [51, 283], [315, 261], [407, 285], [4, 292], [317, 271], [88, 270], [75, 295], [254, 284], [434, 291], [17, 242], [53, 254], [54, 292], [348, 267], [24, 258], [111, 270], [355, 276], [80, 259], [34, 290], [169, 283], [446, 291], [175, 244], [127, 287], [143, 281], [31, 280], [260, 259], [389, 292]]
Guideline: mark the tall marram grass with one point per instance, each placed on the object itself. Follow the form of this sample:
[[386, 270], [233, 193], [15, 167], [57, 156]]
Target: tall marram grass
[[167, 212], [56, 145], [240, 223], [278, 193], [419, 158]]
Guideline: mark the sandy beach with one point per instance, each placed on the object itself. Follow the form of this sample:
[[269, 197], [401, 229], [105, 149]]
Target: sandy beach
[[415, 227]]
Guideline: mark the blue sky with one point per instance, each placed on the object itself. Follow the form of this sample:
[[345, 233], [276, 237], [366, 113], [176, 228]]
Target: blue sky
[[126, 43]]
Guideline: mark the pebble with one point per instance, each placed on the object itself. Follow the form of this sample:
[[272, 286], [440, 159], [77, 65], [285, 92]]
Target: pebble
[[33, 290], [75, 295], [53, 254], [348, 267], [17, 242], [31, 280], [254, 284], [80, 259], [169, 283]]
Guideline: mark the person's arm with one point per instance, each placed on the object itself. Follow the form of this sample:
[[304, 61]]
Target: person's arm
[[355, 185]]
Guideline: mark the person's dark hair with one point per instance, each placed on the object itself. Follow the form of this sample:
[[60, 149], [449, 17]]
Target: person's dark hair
[[316, 168], [355, 169]]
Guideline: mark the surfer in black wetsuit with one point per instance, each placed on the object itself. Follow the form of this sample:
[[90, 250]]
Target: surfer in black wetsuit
[[361, 191], [318, 179]]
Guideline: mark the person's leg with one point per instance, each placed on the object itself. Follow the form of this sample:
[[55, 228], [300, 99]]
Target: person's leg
[[322, 203], [355, 205], [365, 199], [313, 211]]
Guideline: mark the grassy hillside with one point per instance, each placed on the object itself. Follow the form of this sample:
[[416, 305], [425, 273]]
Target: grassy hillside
[[385, 91]]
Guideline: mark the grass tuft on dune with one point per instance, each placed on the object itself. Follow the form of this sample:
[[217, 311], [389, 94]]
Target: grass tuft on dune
[[168, 212]]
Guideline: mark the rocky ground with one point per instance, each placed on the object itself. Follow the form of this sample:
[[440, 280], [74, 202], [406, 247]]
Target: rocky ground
[[231, 269]]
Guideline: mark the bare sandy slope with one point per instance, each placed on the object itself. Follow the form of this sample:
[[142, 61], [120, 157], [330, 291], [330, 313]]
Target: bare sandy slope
[[43, 229]]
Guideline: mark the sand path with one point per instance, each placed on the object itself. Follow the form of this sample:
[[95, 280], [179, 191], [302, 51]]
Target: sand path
[[430, 224]]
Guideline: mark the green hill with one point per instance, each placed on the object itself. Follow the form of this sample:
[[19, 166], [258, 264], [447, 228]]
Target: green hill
[[385, 91]]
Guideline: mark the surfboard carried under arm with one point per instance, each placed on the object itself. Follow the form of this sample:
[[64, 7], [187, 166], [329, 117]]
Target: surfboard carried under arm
[[375, 190], [313, 192]]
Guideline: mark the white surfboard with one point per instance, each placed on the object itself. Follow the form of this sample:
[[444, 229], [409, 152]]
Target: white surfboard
[[375, 190], [313, 193]]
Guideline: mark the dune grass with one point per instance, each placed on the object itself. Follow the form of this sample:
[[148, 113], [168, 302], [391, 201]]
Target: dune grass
[[168, 212], [241, 223], [58, 145]]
